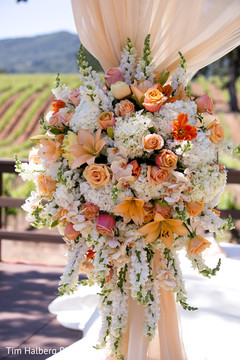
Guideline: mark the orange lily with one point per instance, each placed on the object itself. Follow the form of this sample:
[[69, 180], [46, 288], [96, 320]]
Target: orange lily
[[131, 209], [87, 148], [165, 227]]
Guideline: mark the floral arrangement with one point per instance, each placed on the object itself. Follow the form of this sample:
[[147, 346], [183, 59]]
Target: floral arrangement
[[127, 169]]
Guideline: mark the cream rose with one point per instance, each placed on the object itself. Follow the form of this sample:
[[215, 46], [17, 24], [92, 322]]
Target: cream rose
[[97, 175], [166, 159], [152, 142], [217, 132], [158, 175], [120, 90], [125, 107]]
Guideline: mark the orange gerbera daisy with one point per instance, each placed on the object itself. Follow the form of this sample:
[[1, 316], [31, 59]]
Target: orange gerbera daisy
[[182, 130], [131, 209], [165, 227]]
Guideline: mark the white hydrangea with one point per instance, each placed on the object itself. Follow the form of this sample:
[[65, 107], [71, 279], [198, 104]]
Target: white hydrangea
[[210, 220], [129, 131], [85, 116], [169, 112], [145, 190], [207, 184], [200, 152], [102, 196]]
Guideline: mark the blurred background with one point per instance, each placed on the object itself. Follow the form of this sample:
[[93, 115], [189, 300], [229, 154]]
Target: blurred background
[[37, 40]]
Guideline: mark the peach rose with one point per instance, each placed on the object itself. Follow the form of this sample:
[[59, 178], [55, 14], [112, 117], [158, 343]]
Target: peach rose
[[112, 76], [158, 175], [136, 168], [46, 185], [166, 159], [153, 100], [217, 132], [75, 97], [120, 90], [70, 233], [89, 210], [152, 142], [59, 119], [106, 119], [197, 245], [97, 175], [194, 208], [125, 107], [105, 224], [139, 89], [165, 211], [204, 104]]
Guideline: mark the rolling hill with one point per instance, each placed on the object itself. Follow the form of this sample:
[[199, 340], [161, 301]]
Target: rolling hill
[[49, 53]]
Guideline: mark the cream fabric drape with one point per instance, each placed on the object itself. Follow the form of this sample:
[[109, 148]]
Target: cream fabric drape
[[203, 30]]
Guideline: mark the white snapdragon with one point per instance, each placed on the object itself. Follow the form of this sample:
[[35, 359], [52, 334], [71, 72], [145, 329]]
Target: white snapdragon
[[128, 62]]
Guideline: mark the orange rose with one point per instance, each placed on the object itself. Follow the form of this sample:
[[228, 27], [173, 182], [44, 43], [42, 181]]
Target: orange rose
[[125, 107], [89, 210], [157, 175], [106, 119], [153, 100], [59, 119], [136, 168], [194, 208], [152, 142], [46, 185], [149, 212], [97, 175], [217, 132], [166, 159], [197, 245]]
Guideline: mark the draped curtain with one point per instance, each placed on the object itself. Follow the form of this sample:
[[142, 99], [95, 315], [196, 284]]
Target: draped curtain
[[203, 30]]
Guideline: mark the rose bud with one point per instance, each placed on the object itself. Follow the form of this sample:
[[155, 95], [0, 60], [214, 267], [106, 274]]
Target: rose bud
[[120, 90], [110, 275], [89, 210], [124, 107], [166, 159], [112, 76], [154, 100], [197, 245], [165, 211], [136, 168], [194, 208], [106, 119], [75, 97], [105, 224], [204, 104], [140, 89], [152, 142], [70, 233]]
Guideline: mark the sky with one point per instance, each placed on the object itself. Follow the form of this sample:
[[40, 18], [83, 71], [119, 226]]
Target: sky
[[35, 17]]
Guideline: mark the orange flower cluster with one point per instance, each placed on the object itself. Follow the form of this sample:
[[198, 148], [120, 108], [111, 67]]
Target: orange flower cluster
[[182, 130]]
